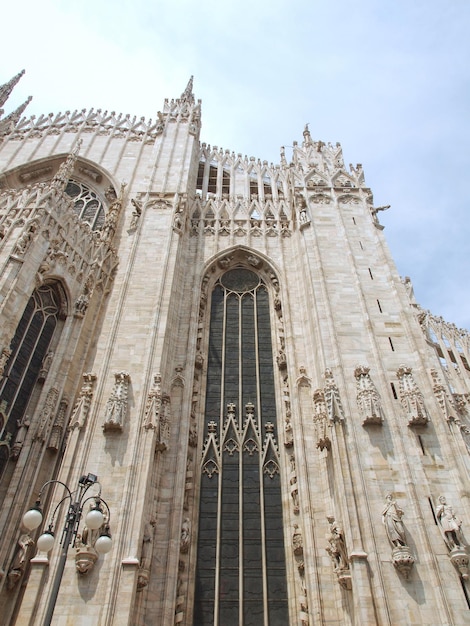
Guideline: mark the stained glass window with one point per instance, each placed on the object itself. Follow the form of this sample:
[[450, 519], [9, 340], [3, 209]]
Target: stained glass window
[[240, 574]]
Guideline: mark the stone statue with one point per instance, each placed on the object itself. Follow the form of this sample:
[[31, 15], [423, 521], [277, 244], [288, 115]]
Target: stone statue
[[450, 525], [337, 547], [391, 517], [25, 543], [185, 536], [297, 542]]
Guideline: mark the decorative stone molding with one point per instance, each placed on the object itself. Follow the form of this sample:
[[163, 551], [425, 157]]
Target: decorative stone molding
[[411, 398], [116, 407], [368, 399]]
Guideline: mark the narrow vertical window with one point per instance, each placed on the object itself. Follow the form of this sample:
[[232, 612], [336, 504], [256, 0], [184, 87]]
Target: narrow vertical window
[[241, 571]]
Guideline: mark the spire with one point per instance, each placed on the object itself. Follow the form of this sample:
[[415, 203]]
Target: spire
[[11, 120], [7, 88], [187, 95], [65, 170]]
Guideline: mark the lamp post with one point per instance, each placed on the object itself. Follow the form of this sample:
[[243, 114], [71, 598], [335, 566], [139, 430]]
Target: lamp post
[[94, 520]]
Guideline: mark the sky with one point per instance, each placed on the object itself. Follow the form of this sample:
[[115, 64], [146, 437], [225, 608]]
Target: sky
[[389, 80]]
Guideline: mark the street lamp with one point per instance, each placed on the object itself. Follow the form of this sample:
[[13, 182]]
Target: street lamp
[[95, 520]]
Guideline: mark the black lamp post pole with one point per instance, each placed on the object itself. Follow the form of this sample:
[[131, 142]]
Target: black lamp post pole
[[71, 524]]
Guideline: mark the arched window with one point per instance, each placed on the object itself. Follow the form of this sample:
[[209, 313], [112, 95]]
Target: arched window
[[87, 204], [29, 348], [241, 570]]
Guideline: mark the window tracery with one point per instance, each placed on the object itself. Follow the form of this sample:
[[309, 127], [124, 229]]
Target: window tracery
[[87, 205], [241, 570]]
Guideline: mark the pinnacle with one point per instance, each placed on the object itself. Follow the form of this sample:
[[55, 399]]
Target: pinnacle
[[7, 88], [187, 94]]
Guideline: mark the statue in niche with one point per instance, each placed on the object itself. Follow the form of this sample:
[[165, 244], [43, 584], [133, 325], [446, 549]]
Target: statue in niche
[[337, 547], [450, 525], [391, 518]]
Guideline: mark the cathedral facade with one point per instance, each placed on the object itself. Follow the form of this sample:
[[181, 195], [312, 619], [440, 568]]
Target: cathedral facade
[[220, 354]]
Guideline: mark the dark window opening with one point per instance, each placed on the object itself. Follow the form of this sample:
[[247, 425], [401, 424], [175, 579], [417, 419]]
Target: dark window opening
[[242, 577]]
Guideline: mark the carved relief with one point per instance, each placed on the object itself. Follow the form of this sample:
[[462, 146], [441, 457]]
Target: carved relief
[[116, 407], [368, 399], [411, 398]]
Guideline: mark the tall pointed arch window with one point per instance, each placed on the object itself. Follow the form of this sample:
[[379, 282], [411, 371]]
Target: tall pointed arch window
[[29, 347], [240, 571]]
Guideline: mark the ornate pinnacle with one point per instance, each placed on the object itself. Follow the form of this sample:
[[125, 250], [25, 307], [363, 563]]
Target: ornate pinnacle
[[65, 170], [10, 121], [187, 95], [7, 88]]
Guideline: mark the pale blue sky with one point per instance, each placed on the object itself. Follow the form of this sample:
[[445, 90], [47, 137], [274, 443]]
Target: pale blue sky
[[389, 80]]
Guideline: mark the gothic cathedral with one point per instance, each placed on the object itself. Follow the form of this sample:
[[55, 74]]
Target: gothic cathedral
[[216, 357]]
